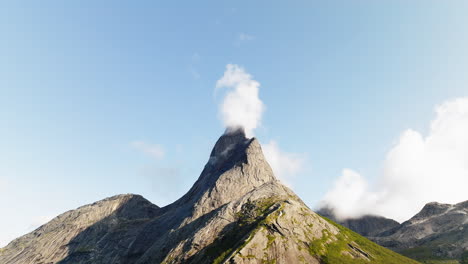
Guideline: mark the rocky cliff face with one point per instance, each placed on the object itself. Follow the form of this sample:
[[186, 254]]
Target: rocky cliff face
[[79, 232], [236, 212], [438, 231]]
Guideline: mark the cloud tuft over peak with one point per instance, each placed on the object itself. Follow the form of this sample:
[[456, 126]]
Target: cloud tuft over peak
[[241, 105]]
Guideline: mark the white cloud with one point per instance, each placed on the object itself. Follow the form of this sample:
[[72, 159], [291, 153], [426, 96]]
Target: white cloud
[[241, 105], [417, 170], [350, 195], [285, 165], [153, 150]]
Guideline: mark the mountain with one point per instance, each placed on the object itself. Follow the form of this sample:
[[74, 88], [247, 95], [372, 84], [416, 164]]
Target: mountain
[[236, 212], [102, 225], [437, 232], [367, 225]]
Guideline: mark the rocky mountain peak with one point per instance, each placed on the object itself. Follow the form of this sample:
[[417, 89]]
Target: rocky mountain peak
[[431, 209], [236, 212], [463, 205], [231, 139], [439, 230], [236, 166]]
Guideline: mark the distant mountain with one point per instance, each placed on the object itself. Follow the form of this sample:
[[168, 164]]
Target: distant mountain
[[368, 225], [236, 212], [439, 232]]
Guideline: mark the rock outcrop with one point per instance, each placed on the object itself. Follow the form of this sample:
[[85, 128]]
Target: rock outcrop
[[80, 232], [438, 231], [236, 212]]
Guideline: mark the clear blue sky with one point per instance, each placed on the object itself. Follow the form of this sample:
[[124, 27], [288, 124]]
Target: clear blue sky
[[81, 80]]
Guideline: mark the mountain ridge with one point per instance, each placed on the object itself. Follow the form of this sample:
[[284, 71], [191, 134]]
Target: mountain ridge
[[438, 232], [236, 212], [367, 225]]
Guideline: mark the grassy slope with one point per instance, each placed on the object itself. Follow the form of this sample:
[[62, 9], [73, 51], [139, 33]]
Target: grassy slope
[[426, 255], [332, 252], [328, 252]]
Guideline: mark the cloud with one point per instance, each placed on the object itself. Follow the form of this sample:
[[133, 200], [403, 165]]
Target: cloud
[[350, 195], [417, 170], [155, 151], [241, 106], [285, 165]]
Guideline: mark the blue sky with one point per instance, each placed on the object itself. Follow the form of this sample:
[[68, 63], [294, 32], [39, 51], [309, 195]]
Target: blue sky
[[81, 82]]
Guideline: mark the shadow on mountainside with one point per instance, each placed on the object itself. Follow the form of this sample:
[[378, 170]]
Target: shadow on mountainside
[[110, 237], [130, 232]]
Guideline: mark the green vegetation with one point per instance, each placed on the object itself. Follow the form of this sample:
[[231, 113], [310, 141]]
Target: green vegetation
[[441, 262], [271, 239], [464, 258], [83, 250], [222, 256], [429, 258], [428, 254], [331, 251], [317, 247], [346, 247], [253, 216], [436, 251], [252, 211], [266, 261]]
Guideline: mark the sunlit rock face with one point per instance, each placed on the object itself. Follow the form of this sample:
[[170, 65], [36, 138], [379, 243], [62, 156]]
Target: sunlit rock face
[[440, 230], [236, 212]]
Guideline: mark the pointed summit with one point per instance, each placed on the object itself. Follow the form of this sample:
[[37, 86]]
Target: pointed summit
[[236, 166], [232, 138], [439, 230], [236, 212], [431, 209]]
